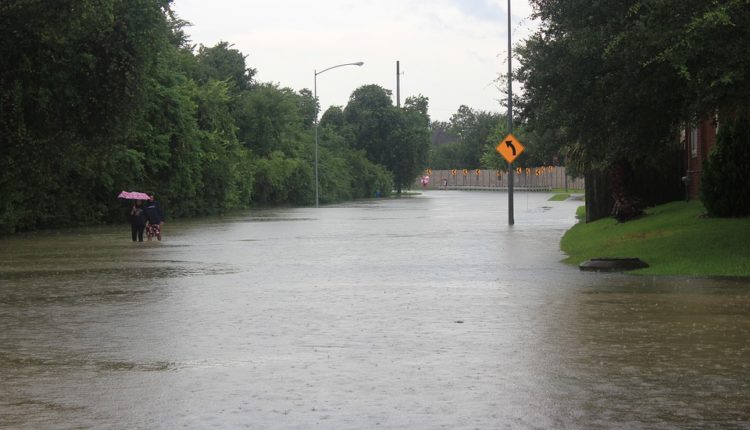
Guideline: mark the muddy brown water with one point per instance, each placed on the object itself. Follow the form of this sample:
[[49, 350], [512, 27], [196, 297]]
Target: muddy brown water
[[425, 312]]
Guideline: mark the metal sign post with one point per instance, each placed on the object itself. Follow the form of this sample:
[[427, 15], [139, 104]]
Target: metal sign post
[[511, 221], [510, 148]]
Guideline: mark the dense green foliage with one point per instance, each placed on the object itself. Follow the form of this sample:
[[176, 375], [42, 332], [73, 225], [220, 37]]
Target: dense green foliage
[[725, 182], [73, 79], [102, 96], [472, 131], [539, 148], [398, 139], [470, 137], [587, 76], [674, 239], [614, 81]]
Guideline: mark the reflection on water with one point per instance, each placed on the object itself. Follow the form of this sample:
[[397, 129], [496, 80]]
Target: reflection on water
[[656, 352], [346, 317]]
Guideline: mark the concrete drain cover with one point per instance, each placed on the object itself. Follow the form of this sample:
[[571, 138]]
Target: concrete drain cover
[[612, 264]]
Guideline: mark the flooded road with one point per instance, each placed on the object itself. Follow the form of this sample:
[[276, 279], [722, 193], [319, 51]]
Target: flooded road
[[425, 312]]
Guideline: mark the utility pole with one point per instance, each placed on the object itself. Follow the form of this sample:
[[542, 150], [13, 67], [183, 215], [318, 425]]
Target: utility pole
[[511, 221], [398, 84]]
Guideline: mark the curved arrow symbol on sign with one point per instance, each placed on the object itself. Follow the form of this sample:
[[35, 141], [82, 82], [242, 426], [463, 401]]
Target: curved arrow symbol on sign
[[509, 148]]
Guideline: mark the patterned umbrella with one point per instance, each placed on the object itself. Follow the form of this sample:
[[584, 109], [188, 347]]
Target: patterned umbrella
[[133, 195]]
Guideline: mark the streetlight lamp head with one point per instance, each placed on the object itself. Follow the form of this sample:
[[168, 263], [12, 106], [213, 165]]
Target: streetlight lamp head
[[359, 63]]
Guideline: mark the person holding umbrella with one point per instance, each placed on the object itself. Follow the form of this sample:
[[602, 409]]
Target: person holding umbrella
[[137, 220], [154, 218], [137, 214]]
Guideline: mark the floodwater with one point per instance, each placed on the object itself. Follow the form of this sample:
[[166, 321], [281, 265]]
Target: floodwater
[[425, 312]]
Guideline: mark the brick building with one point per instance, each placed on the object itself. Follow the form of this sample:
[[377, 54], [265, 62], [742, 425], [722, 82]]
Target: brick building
[[698, 140]]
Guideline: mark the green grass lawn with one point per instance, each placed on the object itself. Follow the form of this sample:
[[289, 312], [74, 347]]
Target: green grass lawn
[[674, 239], [559, 197], [568, 191], [581, 213]]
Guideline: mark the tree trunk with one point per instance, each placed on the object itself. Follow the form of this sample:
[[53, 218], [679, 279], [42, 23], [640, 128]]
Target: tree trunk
[[598, 195], [627, 206]]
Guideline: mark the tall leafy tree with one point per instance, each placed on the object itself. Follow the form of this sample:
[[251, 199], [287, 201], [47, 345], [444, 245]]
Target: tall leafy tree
[[614, 80], [411, 137], [581, 79], [222, 62], [471, 130], [370, 112], [71, 86], [100, 96], [395, 138], [269, 117], [704, 42], [333, 117], [592, 78]]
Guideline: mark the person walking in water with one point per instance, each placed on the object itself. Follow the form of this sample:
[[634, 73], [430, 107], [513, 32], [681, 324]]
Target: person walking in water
[[154, 218], [425, 181], [137, 221]]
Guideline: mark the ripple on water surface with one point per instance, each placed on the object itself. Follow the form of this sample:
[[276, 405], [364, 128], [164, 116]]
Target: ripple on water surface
[[348, 316]]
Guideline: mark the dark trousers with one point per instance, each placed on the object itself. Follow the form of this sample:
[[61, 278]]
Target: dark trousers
[[137, 231]]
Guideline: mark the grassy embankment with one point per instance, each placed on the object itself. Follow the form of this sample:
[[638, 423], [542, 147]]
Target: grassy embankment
[[561, 194], [674, 239], [559, 197], [569, 190]]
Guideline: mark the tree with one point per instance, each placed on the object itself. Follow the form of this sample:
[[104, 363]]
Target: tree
[[446, 156], [441, 133], [109, 95], [224, 63], [333, 117], [445, 148], [468, 133], [725, 189], [581, 79], [269, 118], [395, 138], [419, 104], [308, 106], [370, 113], [411, 135], [71, 87], [704, 43], [615, 80]]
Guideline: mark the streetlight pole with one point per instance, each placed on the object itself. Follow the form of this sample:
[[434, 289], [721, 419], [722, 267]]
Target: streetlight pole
[[315, 96], [511, 221]]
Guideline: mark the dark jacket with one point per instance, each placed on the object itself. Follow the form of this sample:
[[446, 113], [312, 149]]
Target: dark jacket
[[153, 212], [138, 216]]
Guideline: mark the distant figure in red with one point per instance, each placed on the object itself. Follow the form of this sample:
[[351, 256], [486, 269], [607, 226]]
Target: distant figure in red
[[425, 180]]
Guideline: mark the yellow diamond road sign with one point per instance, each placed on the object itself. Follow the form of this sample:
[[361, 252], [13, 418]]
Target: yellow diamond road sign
[[510, 148]]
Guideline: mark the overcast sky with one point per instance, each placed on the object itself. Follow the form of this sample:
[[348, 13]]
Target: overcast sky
[[450, 50]]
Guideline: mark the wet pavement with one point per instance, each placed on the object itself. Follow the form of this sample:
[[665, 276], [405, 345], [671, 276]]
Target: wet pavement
[[424, 312]]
